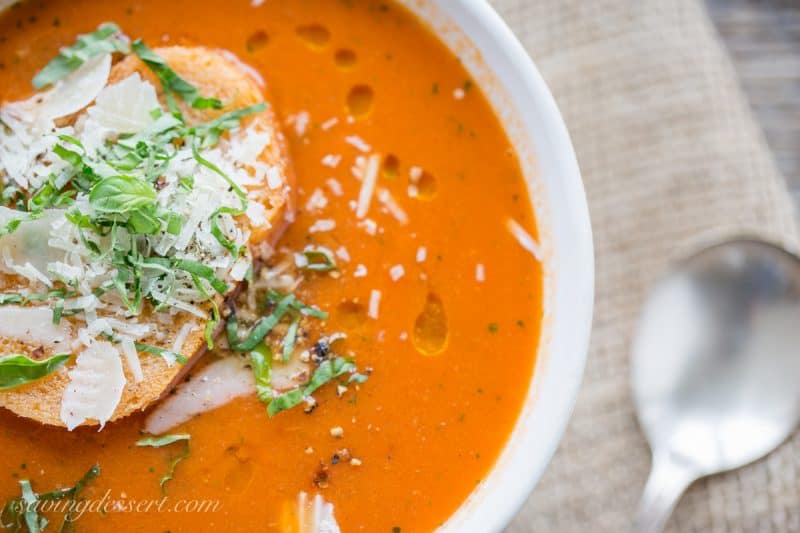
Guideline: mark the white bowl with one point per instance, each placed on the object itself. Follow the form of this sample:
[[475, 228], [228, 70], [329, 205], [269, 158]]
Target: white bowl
[[502, 68]]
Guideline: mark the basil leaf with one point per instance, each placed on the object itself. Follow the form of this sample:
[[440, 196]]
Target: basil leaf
[[121, 194], [284, 401], [172, 82], [107, 38], [261, 359], [166, 440], [17, 369]]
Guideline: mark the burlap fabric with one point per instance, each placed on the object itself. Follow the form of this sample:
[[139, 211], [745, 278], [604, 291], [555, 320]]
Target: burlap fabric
[[672, 159]]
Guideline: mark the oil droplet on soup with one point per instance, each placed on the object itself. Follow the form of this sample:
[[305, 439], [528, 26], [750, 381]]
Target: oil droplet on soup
[[314, 35], [257, 41], [351, 314], [345, 59], [423, 184], [430, 328], [391, 166], [359, 100]]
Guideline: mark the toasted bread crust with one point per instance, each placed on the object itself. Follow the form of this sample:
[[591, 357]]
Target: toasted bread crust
[[215, 75]]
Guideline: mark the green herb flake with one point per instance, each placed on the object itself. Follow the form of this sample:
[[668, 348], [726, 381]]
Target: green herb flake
[[166, 440]]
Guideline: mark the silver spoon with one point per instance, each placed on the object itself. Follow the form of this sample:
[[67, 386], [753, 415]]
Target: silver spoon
[[716, 361]]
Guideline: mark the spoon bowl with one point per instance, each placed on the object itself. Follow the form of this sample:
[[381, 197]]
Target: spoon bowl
[[715, 366]]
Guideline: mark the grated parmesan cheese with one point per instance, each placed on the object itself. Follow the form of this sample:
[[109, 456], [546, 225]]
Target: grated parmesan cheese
[[358, 143], [317, 201], [331, 160], [368, 185], [360, 271], [321, 225], [524, 238], [386, 198], [328, 124], [397, 272], [480, 273], [335, 187], [422, 253], [342, 253], [374, 304]]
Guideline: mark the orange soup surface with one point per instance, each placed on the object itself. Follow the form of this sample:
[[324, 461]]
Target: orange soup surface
[[348, 78]]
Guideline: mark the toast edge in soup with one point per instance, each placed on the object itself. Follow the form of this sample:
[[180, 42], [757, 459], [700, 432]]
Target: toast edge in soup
[[397, 232]]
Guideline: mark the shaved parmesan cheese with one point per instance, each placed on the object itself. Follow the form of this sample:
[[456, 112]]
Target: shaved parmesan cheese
[[374, 304], [214, 386], [132, 358], [315, 515], [368, 185], [95, 386], [524, 238], [125, 107], [29, 243], [34, 325], [71, 94]]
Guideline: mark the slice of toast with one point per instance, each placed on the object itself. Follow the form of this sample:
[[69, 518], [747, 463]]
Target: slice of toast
[[215, 74]]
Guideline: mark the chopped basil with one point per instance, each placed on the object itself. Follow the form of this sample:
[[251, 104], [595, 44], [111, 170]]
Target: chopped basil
[[107, 38], [172, 82], [327, 371], [22, 512], [289, 339], [259, 330], [166, 440], [18, 369], [318, 259], [261, 359], [155, 350]]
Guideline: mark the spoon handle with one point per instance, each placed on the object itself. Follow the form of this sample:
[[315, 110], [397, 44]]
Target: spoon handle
[[669, 478]]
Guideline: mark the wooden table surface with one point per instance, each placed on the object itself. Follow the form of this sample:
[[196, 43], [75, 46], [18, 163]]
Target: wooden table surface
[[763, 37]]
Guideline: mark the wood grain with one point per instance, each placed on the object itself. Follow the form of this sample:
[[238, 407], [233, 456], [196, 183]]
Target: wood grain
[[763, 37]]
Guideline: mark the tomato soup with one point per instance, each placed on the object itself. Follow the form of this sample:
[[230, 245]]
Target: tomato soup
[[437, 297]]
